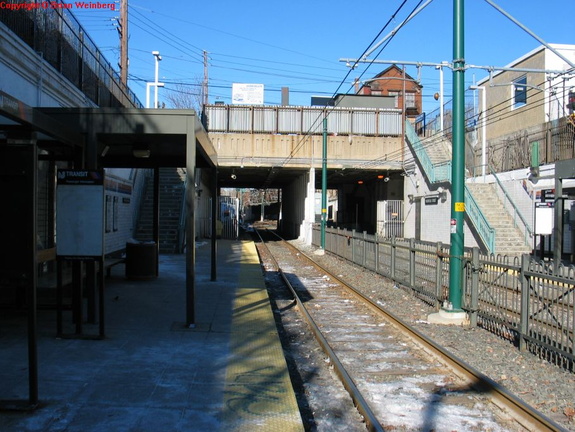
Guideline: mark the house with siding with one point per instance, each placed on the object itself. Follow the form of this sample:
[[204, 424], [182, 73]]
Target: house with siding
[[520, 97]]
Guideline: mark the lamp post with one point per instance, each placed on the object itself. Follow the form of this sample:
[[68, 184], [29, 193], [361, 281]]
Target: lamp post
[[156, 83], [483, 131], [158, 59], [440, 96]]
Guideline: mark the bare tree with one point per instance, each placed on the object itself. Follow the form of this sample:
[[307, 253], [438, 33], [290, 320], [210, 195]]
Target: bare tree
[[185, 96]]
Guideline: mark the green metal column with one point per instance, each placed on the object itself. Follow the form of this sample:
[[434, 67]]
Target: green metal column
[[458, 161], [324, 183]]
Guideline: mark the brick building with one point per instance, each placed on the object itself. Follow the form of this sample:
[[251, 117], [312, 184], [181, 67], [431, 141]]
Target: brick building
[[393, 81]]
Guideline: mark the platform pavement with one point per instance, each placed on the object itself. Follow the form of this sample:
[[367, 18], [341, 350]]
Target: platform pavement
[[151, 373]]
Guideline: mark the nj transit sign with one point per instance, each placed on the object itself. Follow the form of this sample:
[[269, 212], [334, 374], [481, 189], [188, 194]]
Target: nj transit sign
[[80, 214]]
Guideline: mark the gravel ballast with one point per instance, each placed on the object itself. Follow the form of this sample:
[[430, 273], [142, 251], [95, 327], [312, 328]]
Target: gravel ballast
[[545, 386]]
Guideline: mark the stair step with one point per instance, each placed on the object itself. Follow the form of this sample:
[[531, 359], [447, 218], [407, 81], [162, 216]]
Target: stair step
[[509, 239], [171, 193]]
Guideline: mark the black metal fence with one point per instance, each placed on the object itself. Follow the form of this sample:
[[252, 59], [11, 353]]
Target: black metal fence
[[55, 34], [528, 302]]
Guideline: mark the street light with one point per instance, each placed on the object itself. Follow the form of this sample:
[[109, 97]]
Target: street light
[[440, 96], [156, 84], [158, 57], [483, 134]]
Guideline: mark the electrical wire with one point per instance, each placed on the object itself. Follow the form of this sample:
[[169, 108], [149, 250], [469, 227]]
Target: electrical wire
[[139, 23], [173, 40], [218, 30], [315, 124]]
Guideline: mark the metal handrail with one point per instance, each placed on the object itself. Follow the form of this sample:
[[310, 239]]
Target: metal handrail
[[480, 222], [436, 173], [441, 172], [528, 230]]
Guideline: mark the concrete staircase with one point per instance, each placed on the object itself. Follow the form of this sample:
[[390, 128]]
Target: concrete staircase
[[438, 148], [171, 196], [509, 239]]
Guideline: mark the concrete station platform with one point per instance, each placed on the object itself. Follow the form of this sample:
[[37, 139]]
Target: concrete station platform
[[150, 373]]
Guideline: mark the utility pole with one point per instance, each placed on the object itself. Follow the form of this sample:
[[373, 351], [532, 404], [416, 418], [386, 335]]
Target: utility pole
[[205, 84], [458, 161], [123, 30]]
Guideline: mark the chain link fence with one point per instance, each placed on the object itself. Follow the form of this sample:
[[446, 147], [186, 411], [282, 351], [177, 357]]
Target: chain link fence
[[51, 30]]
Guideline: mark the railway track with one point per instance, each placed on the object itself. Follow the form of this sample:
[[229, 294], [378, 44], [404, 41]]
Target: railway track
[[398, 379]]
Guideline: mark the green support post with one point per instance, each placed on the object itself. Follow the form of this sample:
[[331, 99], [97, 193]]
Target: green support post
[[458, 161], [324, 183]]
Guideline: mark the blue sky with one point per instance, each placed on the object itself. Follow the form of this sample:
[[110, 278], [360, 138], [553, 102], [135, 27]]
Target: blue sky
[[298, 44]]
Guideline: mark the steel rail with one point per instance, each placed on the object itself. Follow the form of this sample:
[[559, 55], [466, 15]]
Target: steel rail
[[372, 423], [523, 413]]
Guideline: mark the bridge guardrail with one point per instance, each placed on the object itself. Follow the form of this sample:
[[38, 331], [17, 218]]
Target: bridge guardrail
[[255, 119]]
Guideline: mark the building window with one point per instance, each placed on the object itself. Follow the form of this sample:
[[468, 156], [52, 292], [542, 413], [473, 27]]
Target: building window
[[520, 92], [409, 100], [115, 216], [109, 213]]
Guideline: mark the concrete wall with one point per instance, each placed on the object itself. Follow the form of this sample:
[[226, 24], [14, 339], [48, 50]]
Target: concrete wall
[[31, 80], [266, 149], [435, 218], [295, 198]]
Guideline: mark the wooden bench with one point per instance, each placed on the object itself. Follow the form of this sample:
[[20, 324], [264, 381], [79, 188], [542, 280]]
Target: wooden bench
[[118, 257], [113, 259], [111, 262]]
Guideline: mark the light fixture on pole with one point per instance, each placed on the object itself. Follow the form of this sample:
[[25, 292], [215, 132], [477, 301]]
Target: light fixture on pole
[[156, 83], [483, 131], [158, 59]]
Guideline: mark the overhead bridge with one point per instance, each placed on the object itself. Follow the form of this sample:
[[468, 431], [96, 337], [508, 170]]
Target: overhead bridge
[[282, 147], [265, 146]]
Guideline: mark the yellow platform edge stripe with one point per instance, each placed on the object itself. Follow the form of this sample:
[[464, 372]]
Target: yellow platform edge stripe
[[258, 394]]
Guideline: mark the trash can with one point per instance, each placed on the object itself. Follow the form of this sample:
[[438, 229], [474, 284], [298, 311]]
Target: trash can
[[141, 260]]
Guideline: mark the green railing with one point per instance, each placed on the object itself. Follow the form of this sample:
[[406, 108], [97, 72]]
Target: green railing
[[436, 173], [441, 173], [482, 226], [527, 231]]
